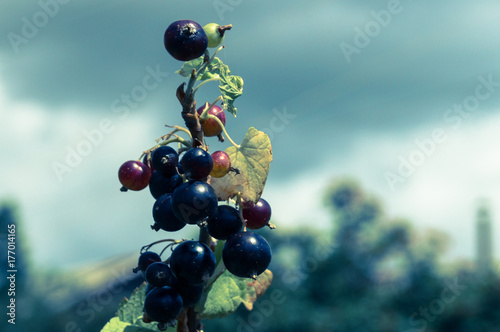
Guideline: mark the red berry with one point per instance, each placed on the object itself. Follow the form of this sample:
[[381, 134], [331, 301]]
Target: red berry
[[257, 215], [134, 175], [222, 164], [210, 126]]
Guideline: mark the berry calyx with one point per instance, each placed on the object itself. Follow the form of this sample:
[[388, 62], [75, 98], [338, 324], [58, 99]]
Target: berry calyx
[[216, 33], [158, 274], [164, 160], [185, 40], [134, 175], [246, 254]]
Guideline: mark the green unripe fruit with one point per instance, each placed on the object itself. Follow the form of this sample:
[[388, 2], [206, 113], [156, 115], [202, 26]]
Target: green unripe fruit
[[215, 33]]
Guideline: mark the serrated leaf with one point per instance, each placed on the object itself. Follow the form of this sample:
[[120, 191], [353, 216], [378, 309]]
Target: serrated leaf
[[129, 310], [257, 288], [228, 292], [252, 158], [231, 88], [212, 70], [129, 315], [115, 325], [188, 66]]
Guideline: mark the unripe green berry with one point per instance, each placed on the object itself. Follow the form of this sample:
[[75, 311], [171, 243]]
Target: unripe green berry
[[215, 33]]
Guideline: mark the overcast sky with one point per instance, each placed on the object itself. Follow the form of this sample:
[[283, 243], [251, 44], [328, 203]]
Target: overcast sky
[[402, 95]]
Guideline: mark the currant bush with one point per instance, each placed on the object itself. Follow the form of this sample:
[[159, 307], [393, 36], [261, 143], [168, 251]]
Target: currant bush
[[188, 184]]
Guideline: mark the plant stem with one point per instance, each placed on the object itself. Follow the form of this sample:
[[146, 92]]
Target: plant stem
[[205, 82], [210, 116], [203, 115]]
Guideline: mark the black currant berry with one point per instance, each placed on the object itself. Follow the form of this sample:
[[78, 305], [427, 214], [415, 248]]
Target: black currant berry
[[145, 259], [246, 254], [149, 288], [197, 163], [159, 184], [225, 222], [192, 262], [190, 294], [164, 216], [194, 201], [185, 40], [163, 305], [164, 160], [134, 175], [158, 274]]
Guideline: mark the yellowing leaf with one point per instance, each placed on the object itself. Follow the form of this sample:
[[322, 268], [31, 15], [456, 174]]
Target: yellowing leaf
[[252, 158], [228, 292]]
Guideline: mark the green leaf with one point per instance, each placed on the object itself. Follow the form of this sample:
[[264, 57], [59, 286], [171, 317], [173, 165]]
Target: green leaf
[[252, 158], [188, 66], [129, 310], [230, 86], [115, 325], [129, 315], [218, 250], [226, 294]]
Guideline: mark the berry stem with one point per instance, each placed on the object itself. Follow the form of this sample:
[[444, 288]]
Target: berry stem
[[148, 246], [219, 269], [223, 28], [239, 202], [205, 82], [204, 114], [210, 116]]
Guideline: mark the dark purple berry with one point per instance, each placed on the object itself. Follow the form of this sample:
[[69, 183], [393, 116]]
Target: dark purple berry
[[134, 175], [160, 184], [246, 254], [196, 163], [185, 40], [145, 259], [194, 201], [164, 216], [257, 215], [164, 160], [163, 305], [192, 262], [224, 223]]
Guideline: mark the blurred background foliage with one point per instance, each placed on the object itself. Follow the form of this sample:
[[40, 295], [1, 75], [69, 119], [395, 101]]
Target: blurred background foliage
[[371, 273]]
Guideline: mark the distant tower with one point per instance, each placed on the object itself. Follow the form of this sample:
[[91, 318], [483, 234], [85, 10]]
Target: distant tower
[[484, 243]]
